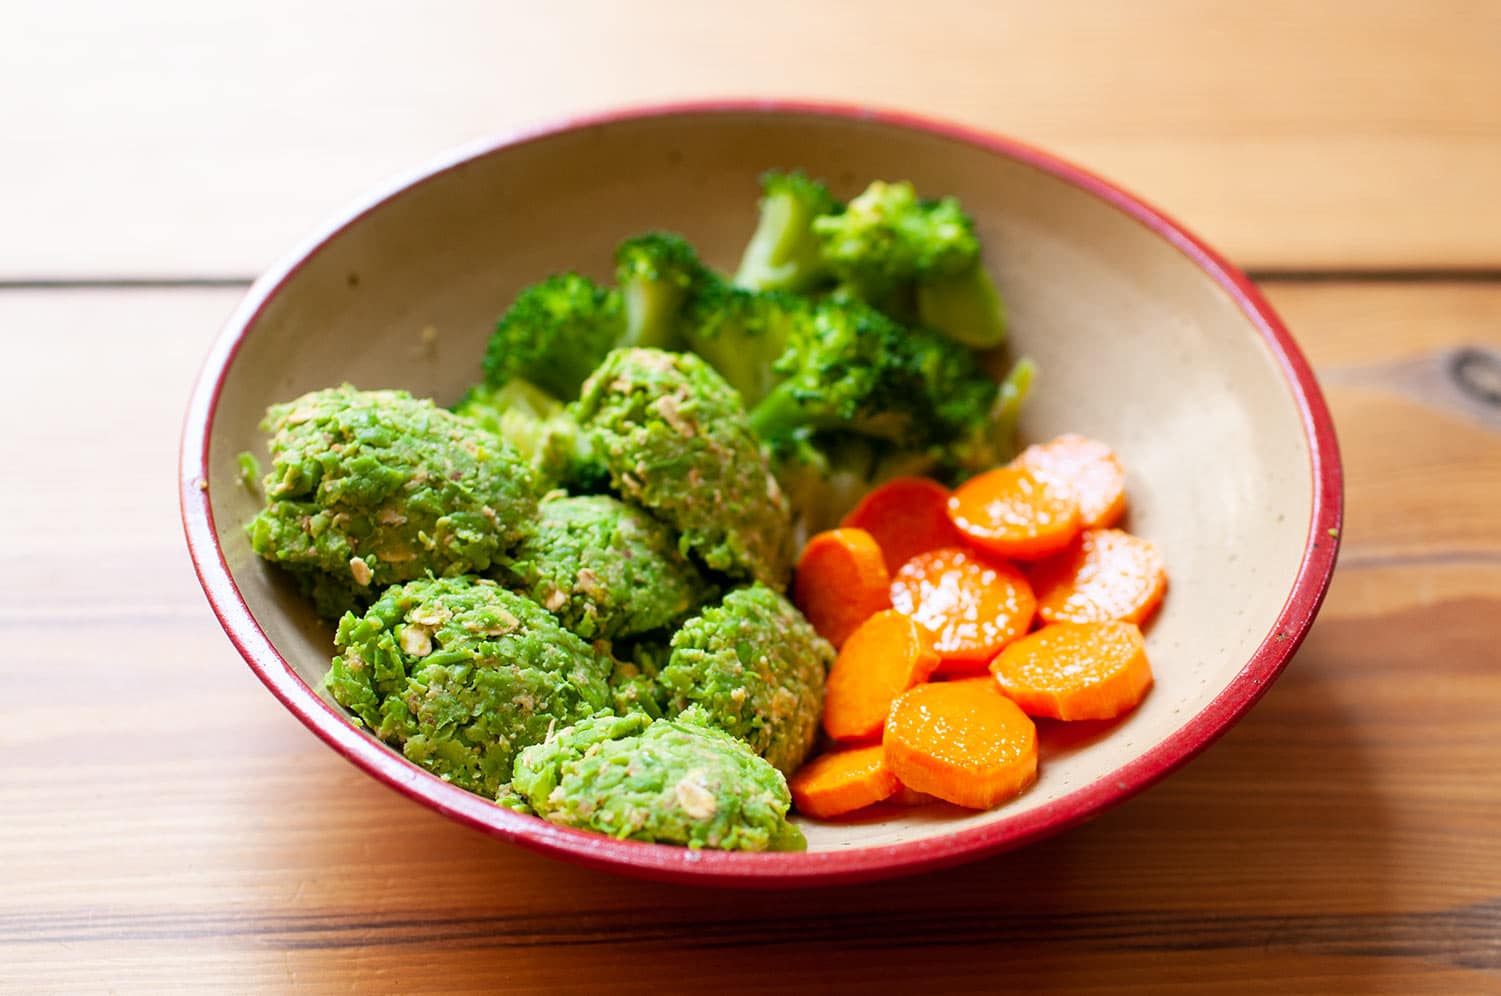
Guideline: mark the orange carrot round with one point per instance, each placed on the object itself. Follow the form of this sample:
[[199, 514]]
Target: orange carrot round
[[843, 781], [1014, 512], [971, 606], [1088, 468], [1104, 575], [962, 741], [841, 581], [907, 516], [1076, 670], [880, 660]]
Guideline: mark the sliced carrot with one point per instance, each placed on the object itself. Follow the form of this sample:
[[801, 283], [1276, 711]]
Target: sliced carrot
[[841, 581], [843, 781], [1076, 670], [970, 605], [1087, 467], [1106, 574], [962, 741], [907, 516], [1014, 512], [886, 655]]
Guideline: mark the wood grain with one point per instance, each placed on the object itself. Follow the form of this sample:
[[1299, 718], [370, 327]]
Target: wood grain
[[177, 139], [168, 827]]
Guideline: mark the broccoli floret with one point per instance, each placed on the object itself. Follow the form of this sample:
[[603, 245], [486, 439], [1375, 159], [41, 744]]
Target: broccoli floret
[[916, 259], [847, 366], [991, 441], [554, 334], [541, 429], [783, 254], [965, 306], [742, 333], [655, 273], [887, 237]]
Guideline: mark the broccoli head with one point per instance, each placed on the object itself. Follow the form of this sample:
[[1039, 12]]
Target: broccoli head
[[846, 366], [887, 237], [742, 333], [916, 259], [783, 253], [991, 441], [554, 334], [655, 273]]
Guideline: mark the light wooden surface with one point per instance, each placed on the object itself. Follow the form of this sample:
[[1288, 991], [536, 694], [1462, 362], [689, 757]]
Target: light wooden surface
[[166, 826], [174, 138]]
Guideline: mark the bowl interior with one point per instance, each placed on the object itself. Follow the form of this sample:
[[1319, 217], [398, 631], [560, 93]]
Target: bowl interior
[[1136, 346]]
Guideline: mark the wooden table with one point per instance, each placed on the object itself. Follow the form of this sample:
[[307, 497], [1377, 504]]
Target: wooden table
[[165, 825]]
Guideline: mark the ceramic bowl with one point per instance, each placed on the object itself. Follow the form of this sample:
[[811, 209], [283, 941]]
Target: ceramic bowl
[[1144, 336]]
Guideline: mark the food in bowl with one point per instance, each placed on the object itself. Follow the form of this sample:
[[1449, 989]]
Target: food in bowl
[[567, 593]]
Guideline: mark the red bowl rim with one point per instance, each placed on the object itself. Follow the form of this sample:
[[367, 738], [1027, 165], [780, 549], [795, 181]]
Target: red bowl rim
[[779, 869]]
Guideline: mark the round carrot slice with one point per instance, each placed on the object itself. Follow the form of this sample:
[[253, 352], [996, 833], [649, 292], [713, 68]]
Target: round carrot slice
[[1076, 670], [907, 516], [1106, 574], [843, 781], [1014, 512], [970, 606], [1087, 467], [962, 741], [884, 657], [841, 581]]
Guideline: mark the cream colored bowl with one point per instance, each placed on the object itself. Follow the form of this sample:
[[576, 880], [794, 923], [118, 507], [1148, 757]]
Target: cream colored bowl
[[1144, 337]]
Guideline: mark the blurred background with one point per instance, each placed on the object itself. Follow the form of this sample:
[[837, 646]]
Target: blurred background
[[174, 139]]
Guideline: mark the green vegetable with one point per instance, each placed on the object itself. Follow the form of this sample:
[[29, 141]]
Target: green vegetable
[[670, 781], [783, 254], [991, 441], [605, 569], [541, 429], [372, 488], [462, 674], [887, 237], [655, 273], [743, 333], [554, 334], [915, 259], [757, 668], [675, 440], [964, 306], [850, 367]]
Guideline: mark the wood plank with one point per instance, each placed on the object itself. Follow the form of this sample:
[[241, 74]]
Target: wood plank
[[178, 139], [169, 827]]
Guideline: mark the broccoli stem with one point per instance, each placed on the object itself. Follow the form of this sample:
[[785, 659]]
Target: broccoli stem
[[783, 252], [965, 306], [651, 313]]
